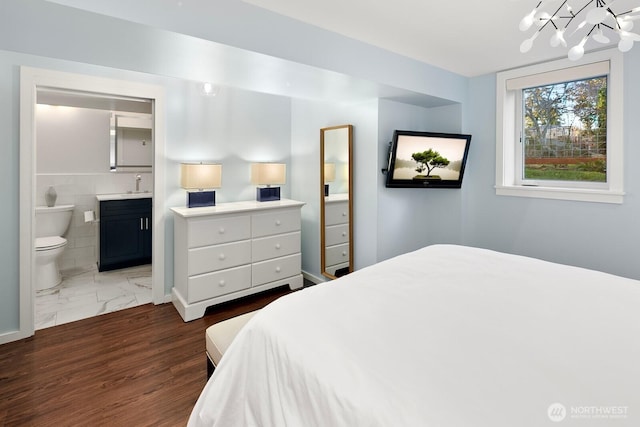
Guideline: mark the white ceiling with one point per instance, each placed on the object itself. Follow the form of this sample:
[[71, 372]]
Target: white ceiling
[[468, 37]]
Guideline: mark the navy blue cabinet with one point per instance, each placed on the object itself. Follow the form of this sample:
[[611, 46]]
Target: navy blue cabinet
[[125, 233]]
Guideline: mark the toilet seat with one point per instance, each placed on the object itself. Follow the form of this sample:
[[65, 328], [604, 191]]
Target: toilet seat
[[51, 242]]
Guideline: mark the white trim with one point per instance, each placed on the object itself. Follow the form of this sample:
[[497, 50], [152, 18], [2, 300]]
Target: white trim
[[30, 80], [576, 194], [507, 135], [580, 72]]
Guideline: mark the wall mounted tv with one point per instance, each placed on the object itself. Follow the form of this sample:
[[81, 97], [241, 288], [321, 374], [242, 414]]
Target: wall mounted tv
[[427, 159]]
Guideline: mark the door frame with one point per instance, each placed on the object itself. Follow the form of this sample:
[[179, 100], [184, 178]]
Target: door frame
[[30, 80]]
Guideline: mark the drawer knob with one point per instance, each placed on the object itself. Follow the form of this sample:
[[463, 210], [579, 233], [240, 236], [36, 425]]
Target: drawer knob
[[277, 245], [344, 214], [278, 222], [277, 269], [222, 283], [222, 257], [344, 253], [221, 231], [344, 233]]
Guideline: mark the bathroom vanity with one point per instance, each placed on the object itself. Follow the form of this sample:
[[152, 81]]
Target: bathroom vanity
[[125, 230]]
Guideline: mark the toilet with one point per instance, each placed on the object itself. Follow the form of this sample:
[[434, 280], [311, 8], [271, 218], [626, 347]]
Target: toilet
[[51, 224]]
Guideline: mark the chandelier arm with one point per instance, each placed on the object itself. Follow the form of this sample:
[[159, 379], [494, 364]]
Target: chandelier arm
[[554, 14], [612, 14], [608, 26], [573, 15]]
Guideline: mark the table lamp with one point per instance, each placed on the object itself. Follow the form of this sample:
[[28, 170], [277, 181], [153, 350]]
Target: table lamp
[[201, 177], [268, 174]]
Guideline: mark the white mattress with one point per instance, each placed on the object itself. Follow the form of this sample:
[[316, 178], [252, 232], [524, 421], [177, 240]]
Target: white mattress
[[443, 336]]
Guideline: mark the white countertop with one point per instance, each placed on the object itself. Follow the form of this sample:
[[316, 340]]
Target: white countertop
[[222, 208], [124, 196]]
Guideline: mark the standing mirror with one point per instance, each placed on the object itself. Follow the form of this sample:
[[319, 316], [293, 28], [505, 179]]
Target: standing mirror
[[336, 195]]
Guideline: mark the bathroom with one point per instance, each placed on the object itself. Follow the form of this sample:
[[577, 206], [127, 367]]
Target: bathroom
[[79, 155]]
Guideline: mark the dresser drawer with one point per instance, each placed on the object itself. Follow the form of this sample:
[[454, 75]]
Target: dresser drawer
[[222, 282], [336, 213], [275, 269], [277, 222], [336, 254], [212, 231], [275, 246], [336, 234], [219, 257]]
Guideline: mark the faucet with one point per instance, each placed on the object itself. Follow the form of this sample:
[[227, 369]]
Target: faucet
[[138, 179]]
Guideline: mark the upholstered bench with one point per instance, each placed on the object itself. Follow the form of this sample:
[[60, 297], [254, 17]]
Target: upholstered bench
[[219, 337]]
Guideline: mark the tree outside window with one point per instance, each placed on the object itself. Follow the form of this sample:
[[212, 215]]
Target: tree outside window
[[565, 131]]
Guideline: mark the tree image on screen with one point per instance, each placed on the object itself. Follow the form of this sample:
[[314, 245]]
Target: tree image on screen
[[429, 160]]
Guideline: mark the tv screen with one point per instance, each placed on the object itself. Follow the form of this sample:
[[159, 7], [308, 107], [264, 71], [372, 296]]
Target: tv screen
[[427, 159]]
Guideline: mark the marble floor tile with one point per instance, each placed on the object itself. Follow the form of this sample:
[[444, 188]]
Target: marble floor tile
[[85, 292]]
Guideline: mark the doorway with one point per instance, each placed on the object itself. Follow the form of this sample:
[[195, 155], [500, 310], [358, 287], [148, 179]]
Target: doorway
[[33, 80]]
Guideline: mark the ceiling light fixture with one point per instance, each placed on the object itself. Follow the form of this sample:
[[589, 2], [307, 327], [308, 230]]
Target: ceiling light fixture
[[593, 19]]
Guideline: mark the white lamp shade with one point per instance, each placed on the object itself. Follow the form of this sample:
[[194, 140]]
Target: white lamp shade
[[200, 176], [329, 172], [268, 173]]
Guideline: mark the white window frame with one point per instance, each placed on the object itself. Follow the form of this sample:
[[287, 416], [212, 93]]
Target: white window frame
[[508, 113]]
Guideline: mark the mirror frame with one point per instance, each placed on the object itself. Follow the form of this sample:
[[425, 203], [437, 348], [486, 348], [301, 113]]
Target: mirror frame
[[323, 269], [116, 139]]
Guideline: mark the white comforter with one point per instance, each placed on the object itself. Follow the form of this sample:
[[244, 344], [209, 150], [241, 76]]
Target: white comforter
[[443, 336]]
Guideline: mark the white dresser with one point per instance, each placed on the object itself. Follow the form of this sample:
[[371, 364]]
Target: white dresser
[[336, 232], [232, 250]]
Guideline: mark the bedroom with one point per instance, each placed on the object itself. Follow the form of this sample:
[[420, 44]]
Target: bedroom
[[599, 236]]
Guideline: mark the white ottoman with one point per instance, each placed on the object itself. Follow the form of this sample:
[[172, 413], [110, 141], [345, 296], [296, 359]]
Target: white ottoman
[[219, 337]]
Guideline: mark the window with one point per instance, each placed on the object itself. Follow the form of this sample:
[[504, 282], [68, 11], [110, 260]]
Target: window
[[559, 130]]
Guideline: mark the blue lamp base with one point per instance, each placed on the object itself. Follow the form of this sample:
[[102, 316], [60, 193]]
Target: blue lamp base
[[199, 199], [268, 194]]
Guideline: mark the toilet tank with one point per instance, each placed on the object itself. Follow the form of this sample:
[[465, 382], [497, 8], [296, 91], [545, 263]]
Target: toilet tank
[[53, 221]]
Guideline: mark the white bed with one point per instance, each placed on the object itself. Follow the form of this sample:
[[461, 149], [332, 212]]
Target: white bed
[[443, 336]]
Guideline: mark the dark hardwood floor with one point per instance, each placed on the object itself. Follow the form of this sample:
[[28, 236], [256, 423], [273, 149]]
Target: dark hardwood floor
[[142, 366]]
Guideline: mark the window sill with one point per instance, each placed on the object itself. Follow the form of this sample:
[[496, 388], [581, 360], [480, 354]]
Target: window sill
[[575, 194]]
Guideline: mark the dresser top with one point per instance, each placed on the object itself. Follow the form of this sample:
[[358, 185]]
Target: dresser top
[[340, 197], [233, 207]]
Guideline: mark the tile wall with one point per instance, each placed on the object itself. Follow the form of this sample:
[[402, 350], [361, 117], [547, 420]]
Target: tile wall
[[80, 190]]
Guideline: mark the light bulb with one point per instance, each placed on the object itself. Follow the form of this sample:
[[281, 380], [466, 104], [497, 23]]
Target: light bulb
[[541, 19], [528, 43], [628, 35], [527, 21], [577, 51], [625, 24], [597, 15], [600, 37], [558, 39], [625, 45]]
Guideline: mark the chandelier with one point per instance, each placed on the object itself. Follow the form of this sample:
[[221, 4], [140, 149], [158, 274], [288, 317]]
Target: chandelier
[[595, 19]]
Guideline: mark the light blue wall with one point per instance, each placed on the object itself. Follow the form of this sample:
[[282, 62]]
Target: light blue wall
[[235, 128], [388, 221], [593, 235], [410, 218], [240, 24], [41, 34], [308, 117]]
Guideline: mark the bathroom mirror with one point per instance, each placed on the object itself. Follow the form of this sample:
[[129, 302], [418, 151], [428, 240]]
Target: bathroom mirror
[[336, 197], [130, 142]]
